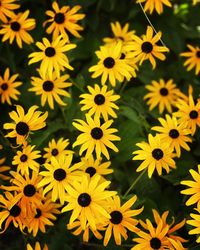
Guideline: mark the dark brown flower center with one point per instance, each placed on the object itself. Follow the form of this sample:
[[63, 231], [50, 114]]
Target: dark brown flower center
[[99, 99], [15, 211], [4, 86], [193, 114], [109, 62], [29, 190], [23, 158], [198, 53], [22, 128], [147, 47], [91, 171], [54, 151], [38, 213], [164, 91], [155, 243], [15, 26], [96, 133], [84, 200], [116, 217], [173, 133], [59, 174], [59, 18], [157, 154], [50, 52], [122, 56], [48, 86]]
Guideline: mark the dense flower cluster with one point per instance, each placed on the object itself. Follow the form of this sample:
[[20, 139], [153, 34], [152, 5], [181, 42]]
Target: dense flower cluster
[[49, 179]]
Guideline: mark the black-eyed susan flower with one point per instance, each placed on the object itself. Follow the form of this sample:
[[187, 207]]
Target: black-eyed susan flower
[[92, 166], [57, 177], [52, 55], [8, 87], [23, 123], [95, 136], [43, 215], [86, 199], [17, 28], [57, 149], [6, 9], [10, 212], [157, 5], [156, 155], [152, 238], [37, 247], [25, 159], [64, 20], [146, 48], [193, 188], [121, 219], [173, 133], [100, 101], [193, 58], [120, 33], [175, 240], [189, 113], [163, 94], [195, 222], [76, 225], [110, 66], [26, 190], [50, 88]]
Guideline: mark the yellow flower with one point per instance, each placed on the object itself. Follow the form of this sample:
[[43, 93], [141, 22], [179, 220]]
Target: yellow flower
[[193, 188], [95, 136], [8, 87], [26, 190], [189, 113], [43, 215], [173, 133], [50, 88], [6, 9], [157, 5], [120, 34], [156, 155], [63, 20], [57, 177], [17, 28], [146, 48], [92, 166], [163, 94], [153, 238], [52, 56], [120, 219], [195, 222], [100, 101], [86, 199], [193, 60], [25, 159], [37, 247], [57, 149], [23, 123], [12, 212], [110, 66], [174, 240]]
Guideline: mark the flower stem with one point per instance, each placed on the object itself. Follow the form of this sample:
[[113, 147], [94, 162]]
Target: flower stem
[[134, 183]]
